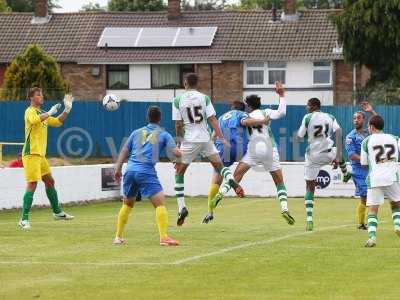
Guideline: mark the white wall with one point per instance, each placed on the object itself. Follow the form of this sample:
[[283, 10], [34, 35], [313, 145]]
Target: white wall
[[293, 97], [81, 183], [146, 95]]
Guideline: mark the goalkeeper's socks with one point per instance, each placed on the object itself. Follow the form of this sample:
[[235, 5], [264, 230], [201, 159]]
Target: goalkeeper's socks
[[123, 216], [396, 220], [214, 188], [372, 225], [309, 203], [282, 196], [180, 191], [162, 221], [53, 198], [26, 206], [361, 212]]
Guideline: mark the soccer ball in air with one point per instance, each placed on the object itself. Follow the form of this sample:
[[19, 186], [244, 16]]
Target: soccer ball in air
[[111, 102]]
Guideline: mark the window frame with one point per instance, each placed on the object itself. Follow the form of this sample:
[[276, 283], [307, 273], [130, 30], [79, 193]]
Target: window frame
[[322, 68], [107, 76], [247, 68], [276, 69], [181, 75]]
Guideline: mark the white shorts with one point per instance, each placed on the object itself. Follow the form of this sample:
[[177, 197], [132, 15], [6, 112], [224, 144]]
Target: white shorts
[[315, 162], [190, 151], [376, 196], [270, 164]]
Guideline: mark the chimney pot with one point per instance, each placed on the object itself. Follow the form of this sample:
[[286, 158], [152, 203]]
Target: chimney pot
[[174, 9]]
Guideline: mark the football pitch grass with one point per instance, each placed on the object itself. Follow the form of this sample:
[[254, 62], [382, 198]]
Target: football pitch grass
[[248, 252]]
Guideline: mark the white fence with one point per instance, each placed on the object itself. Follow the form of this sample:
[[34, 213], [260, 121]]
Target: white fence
[[83, 183]]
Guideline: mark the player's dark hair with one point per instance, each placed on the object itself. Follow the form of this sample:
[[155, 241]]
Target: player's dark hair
[[238, 105], [315, 102], [191, 79], [377, 122], [32, 91], [253, 101], [154, 114]]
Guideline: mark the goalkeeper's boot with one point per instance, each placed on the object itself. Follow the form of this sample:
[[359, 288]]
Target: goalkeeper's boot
[[237, 188], [182, 216], [63, 216], [168, 241], [310, 226], [208, 218], [363, 227], [346, 177], [217, 199], [24, 224], [371, 242], [119, 241], [289, 219]]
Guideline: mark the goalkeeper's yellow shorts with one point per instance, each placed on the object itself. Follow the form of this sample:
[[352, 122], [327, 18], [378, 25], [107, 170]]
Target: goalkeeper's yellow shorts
[[35, 167]]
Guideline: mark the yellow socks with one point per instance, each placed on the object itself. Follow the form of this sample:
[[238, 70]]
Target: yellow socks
[[214, 188], [361, 212], [162, 221], [123, 216]]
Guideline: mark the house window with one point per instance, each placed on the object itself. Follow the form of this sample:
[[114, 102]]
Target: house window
[[276, 72], [169, 76], [322, 72], [255, 73], [118, 77]]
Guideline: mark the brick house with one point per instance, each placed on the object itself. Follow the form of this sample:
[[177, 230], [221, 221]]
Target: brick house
[[250, 50]]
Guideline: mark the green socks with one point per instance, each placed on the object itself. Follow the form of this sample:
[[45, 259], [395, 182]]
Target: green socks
[[396, 219], [282, 196], [26, 207], [53, 198], [180, 191], [372, 225], [309, 202]]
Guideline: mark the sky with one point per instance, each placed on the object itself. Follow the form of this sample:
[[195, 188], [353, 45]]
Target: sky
[[75, 5]]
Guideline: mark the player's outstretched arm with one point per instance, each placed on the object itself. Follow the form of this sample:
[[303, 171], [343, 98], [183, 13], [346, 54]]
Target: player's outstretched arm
[[339, 147], [250, 122], [367, 107], [68, 101], [123, 155], [218, 133], [281, 111]]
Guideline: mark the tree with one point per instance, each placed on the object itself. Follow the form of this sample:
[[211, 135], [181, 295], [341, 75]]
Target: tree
[[92, 6], [33, 67], [370, 31], [203, 5], [3, 6], [301, 4], [28, 5], [136, 5]]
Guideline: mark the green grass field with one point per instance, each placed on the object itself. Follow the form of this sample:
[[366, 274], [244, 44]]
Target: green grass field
[[249, 252]]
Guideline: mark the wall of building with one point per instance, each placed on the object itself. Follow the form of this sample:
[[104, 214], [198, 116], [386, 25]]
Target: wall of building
[[84, 85]]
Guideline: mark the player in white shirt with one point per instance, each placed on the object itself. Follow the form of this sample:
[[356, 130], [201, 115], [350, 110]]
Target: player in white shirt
[[192, 111], [262, 150], [319, 127], [380, 152]]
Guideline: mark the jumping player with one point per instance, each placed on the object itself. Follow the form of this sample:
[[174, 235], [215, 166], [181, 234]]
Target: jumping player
[[143, 148], [380, 151], [262, 149], [191, 112], [35, 164], [319, 127], [233, 125], [359, 173]]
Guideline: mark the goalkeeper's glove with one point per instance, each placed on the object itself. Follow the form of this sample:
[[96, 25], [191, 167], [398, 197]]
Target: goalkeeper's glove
[[54, 109], [68, 100]]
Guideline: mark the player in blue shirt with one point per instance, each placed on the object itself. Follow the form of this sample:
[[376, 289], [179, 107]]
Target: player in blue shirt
[[143, 148], [233, 125], [359, 173]]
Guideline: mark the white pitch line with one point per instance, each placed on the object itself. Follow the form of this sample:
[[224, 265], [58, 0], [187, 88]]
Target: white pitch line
[[181, 261]]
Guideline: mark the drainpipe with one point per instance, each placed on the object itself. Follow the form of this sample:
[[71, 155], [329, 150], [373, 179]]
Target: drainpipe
[[212, 81]]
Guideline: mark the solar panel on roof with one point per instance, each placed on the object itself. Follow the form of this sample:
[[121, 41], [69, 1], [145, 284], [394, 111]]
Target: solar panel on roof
[[147, 37], [195, 36], [119, 37]]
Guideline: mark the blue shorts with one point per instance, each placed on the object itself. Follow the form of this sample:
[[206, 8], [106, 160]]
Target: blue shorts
[[229, 157], [147, 184], [360, 183]]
